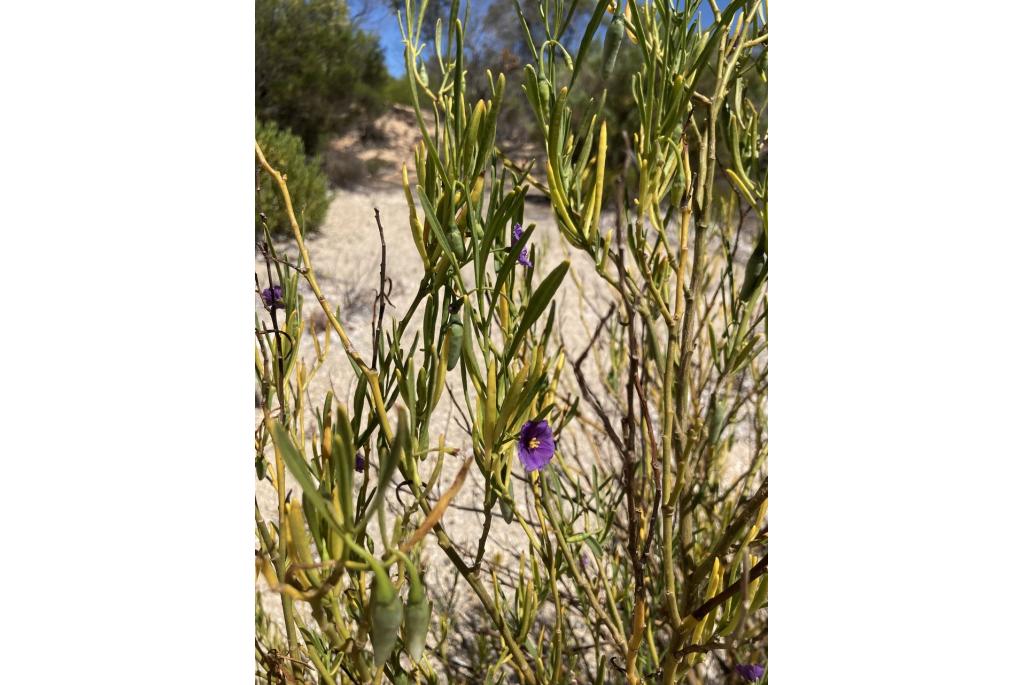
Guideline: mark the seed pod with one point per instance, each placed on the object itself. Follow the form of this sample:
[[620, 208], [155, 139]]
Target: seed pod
[[455, 241], [612, 41], [544, 88], [544, 94], [385, 618], [506, 511], [454, 341], [417, 622]]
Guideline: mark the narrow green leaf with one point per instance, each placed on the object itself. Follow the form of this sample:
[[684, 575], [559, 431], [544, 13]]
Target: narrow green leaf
[[588, 36], [538, 303]]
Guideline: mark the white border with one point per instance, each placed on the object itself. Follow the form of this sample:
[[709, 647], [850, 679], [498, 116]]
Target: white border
[[126, 347], [895, 285], [127, 375]]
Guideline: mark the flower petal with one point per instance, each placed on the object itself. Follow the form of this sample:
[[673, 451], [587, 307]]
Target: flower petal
[[750, 672], [534, 460], [536, 445]]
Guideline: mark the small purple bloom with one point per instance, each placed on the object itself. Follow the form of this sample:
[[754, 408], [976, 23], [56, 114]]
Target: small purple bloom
[[536, 445], [360, 462], [524, 256], [750, 672], [273, 297]]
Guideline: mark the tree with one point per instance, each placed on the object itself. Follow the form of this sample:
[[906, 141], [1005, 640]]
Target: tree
[[316, 73]]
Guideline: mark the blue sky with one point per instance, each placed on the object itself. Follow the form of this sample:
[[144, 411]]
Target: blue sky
[[384, 23]]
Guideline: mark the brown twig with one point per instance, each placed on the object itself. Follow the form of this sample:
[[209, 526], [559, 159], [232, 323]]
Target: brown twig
[[732, 532], [378, 324], [760, 568]]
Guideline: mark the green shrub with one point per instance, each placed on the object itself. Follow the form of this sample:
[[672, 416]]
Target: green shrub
[[316, 73], [396, 91], [630, 473], [306, 182]]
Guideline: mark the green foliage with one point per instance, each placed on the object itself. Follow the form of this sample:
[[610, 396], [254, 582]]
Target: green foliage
[[640, 556], [307, 184], [396, 91], [689, 357], [496, 42], [316, 73]]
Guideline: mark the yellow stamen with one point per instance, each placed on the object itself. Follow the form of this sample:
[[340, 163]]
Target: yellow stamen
[[533, 444]]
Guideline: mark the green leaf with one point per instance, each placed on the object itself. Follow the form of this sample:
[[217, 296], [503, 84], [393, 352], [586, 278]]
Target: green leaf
[[538, 303], [499, 219], [588, 36], [435, 226]]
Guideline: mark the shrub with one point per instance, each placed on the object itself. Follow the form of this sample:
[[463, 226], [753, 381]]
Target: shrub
[[630, 472], [316, 73], [396, 91], [306, 182], [344, 168]]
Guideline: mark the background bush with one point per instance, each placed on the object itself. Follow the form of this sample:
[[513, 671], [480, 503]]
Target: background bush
[[345, 170], [316, 73], [306, 181]]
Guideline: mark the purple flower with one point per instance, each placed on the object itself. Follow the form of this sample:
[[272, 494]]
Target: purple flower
[[360, 462], [750, 672], [524, 256], [273, 297], [536, 445]]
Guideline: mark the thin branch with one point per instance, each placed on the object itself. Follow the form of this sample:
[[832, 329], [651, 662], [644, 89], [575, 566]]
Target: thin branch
[[377, 325]]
